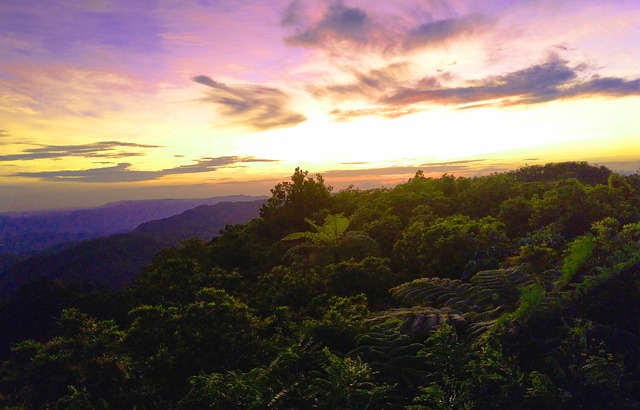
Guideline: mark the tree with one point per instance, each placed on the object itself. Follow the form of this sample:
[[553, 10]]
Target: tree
[[292, 202], [371, 276], [450, 247], [215, 332], [86, 354]]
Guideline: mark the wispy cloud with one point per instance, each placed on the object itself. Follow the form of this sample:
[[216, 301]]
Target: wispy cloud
[[390, 92], [368, 84], [455, 163], [122, 172], [552, 80], [382, 112], [102, 149], [367, 88], [256, 106]]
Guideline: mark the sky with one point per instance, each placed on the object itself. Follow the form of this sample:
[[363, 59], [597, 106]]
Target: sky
[[103, 101]]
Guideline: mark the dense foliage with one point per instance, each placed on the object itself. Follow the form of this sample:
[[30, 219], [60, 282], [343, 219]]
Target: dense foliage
[[513, 290]]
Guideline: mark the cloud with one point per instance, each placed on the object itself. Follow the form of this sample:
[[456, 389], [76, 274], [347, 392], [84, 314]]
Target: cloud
[[366, 84], [256, 106], [122, 172], [338, 23], [448, 163], [102, 149], [356, 33], [441, 31], [116, 173], [390, 29], [606, 86], [367, 87], [291, 14], [552, 80], [383, 112], [209, 164]]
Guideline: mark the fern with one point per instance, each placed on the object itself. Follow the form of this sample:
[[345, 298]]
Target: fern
[[391, 352], [434, 292], [418, 321], [578, 253], [476, 305], [485, 291], [334, 227]]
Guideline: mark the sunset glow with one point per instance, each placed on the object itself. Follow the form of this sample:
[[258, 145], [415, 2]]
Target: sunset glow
[[111, 100]]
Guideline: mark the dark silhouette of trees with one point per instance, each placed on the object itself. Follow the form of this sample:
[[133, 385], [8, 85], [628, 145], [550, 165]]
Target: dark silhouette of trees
[[292, 202]]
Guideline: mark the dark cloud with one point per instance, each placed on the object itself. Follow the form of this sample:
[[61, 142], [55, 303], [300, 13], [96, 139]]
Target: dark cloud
[[116, 173], [255, 106], [203, 79], [441, 31], [564, 47], [211, 164], [103, 149], [122, 172], [386, 92], [338, 23], [540, 83], [605, 86], [291, 14], [341, 28]]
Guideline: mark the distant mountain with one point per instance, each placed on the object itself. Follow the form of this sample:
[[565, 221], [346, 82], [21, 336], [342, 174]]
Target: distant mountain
[[33, 232], [114, 260], [204, 221]]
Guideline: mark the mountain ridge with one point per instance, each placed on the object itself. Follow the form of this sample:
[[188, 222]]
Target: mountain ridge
[[113, 260], [24, 234]]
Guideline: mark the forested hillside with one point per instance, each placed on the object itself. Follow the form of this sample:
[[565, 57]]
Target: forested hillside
[[37, 231], [513, 290], [114, 260]]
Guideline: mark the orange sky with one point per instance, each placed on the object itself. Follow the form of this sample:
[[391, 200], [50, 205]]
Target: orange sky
[[109, 100]]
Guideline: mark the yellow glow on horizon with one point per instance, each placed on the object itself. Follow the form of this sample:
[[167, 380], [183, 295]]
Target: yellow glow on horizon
[[445, 134]]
